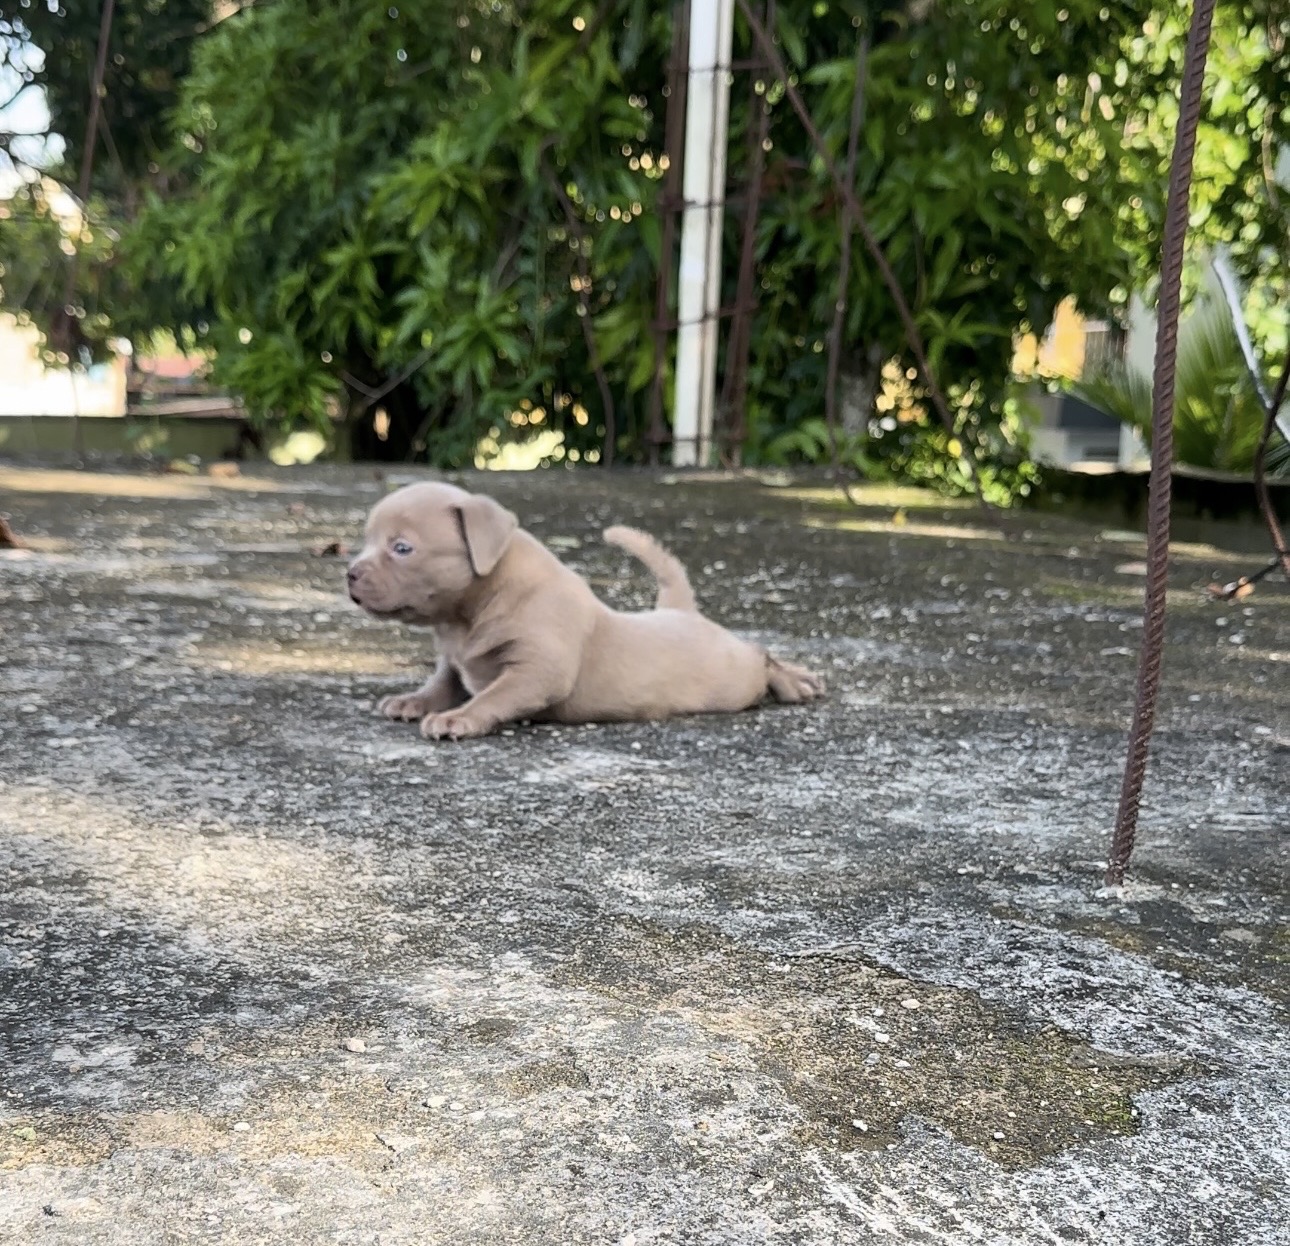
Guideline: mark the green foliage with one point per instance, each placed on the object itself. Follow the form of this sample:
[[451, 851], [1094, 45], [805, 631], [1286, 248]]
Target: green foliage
[[45, 258], [1218, 415], [1237, 202], [152, 45], [927, 455], [915, 451], [811, 441], [364, 206], [968, 184], [375, 192], [35, 262]]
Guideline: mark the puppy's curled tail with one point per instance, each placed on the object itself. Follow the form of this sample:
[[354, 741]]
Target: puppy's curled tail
[[674, 591]]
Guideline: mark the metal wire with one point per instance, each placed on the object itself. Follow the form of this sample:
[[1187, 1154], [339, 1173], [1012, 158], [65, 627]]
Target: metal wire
[[1151, 654], [1272, 404]]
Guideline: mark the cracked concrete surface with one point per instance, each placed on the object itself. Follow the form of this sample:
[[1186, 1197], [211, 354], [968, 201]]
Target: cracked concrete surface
[[273, 969]]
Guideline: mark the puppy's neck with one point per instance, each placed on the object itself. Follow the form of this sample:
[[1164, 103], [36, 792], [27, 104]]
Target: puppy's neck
[[475, 602]]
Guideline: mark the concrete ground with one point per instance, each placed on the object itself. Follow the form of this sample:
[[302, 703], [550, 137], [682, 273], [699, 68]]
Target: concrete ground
[[273, 969]]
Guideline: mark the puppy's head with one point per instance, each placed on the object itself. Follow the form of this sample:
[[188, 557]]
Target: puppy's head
[[426, 546]]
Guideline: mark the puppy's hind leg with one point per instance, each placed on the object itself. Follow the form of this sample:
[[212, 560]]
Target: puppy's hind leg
[[790, 683]]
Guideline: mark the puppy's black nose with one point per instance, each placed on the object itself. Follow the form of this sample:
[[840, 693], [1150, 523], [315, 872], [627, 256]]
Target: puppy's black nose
[[351, 575]]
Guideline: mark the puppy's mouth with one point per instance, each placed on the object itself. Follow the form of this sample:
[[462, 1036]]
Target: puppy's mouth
[[399, 612], [396, 612]]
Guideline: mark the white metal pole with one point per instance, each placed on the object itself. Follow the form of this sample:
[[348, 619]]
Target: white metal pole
[[703, 185]]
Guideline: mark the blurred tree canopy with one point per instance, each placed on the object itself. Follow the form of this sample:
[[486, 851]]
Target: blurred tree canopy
[[43, 252], [407, 206]]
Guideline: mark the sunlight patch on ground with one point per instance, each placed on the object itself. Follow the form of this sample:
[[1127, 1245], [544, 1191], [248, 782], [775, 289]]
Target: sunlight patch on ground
[[891, 527], [267, 595], [259, 660], [104, 484], [1196, 551], [878, 496], [135, 865], [32, 545]]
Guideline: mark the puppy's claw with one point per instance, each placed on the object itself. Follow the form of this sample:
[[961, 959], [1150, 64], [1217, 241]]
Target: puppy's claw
[[405, 707], [449, 727], [791, 683]]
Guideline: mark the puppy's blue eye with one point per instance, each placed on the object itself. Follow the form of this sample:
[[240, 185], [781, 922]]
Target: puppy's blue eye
[[402, 548]]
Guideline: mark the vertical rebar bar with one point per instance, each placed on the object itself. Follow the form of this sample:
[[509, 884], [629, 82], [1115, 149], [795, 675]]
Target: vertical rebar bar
[[734, 393], [669, 205], [1151, 653]]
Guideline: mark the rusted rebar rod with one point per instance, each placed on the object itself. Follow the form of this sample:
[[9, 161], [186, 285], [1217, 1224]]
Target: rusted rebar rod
[[847, 193], [1272, 403], [1151, 653]]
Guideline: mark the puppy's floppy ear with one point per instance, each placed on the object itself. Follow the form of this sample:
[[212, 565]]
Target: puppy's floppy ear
[[487, 528]]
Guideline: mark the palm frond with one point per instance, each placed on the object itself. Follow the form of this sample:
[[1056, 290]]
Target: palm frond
[[1122, 392], [1218, 416]]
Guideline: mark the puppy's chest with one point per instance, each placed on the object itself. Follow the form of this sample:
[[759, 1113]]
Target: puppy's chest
[[474, 668]]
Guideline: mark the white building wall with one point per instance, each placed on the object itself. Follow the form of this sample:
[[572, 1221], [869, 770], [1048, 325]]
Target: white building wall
[[27, 387]]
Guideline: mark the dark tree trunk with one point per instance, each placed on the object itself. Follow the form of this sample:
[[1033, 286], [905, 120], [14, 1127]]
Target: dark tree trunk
[[402, 423], [860, 386]]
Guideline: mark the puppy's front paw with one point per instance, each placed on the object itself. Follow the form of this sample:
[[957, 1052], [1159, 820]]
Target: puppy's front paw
[[453, 725], [405, 707]]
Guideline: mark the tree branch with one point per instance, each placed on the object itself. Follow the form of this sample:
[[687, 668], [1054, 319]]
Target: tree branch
[[588, 331], [1260, 469], [844, 261]]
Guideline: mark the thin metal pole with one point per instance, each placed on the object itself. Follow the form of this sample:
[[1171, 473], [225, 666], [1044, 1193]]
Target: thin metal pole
[[1232, 295], [1272, 404], [1151, 653]]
